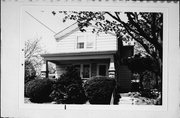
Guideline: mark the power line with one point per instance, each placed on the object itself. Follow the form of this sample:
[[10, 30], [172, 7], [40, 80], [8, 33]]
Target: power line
[[40, 22]]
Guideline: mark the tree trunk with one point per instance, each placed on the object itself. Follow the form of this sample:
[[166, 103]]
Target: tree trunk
[[117, 59], [117, 62]]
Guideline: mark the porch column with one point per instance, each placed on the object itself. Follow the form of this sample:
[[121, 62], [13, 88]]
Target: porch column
[[111, 72], [47, 71], [111, 69]]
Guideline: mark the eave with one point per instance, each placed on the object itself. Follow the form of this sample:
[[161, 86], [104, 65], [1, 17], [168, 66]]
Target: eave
[[79, 55]]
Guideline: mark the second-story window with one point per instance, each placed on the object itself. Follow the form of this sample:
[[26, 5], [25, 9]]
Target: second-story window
[[89, 45], [80, 42], [85, 41], [80, 45]]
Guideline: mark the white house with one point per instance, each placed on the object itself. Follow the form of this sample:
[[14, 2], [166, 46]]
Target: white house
[[91, 53]]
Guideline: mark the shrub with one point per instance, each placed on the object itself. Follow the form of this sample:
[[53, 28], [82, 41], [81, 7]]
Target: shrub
[[38, 90], [75, 94], [135, 86], [99, 89], [148, 80], [150, 93], [71, 76], [68, 88]]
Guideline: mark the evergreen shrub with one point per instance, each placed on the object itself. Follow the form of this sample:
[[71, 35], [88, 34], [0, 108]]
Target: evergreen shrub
[[68, 88]]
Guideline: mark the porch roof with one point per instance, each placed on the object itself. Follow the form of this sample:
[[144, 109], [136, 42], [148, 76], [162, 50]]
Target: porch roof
[[79, 55]]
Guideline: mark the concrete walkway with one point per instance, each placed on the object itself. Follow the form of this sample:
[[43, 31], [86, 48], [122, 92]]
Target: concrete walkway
[[135, 99]]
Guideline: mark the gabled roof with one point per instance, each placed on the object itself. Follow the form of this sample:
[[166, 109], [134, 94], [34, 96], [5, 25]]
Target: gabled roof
[[67, 31], [71, 29]]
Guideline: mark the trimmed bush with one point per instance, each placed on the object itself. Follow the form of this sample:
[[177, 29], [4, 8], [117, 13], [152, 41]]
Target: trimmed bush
[[99, 89], [68, 88], [38, 90]]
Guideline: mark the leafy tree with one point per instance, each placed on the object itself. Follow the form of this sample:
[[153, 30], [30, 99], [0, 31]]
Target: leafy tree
[[139, 64], [146, 28]]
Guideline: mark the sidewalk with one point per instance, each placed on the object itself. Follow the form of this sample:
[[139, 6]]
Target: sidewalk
[[135, 99]]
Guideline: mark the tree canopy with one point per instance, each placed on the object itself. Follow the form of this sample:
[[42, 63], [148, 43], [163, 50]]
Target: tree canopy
[[146, 28]]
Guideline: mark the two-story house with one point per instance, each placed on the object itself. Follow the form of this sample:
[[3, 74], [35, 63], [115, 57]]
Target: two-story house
[[91, 53]]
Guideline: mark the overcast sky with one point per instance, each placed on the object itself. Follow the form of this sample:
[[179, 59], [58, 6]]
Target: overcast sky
[[32, 29]]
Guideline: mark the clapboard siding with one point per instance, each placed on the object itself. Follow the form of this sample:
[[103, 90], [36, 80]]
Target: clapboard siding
[[106, 42], [101, 41]]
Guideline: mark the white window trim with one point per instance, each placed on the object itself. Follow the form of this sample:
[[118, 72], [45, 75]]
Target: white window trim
[[76, 42], [86, 35]]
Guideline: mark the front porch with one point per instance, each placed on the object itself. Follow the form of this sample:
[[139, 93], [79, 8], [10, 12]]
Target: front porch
[[88, 64]]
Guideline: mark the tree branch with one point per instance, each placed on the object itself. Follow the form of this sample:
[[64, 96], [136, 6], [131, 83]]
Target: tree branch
[[138, 40], [143, 34], [112, 16]]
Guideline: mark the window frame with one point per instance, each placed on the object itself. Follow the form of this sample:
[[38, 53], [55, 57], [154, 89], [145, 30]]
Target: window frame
[[86, 40]]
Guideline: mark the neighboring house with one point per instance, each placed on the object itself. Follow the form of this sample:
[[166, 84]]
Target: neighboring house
[[91, 53], [44, 72]]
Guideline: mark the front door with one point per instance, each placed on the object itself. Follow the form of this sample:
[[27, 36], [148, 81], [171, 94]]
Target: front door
[[84, 71], [102, 70]]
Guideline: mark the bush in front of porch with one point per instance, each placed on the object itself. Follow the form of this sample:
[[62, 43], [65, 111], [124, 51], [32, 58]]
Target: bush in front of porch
[[68, 88], [99, 89]]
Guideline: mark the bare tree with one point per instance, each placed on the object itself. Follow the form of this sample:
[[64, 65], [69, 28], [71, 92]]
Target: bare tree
[[32, 48], [32, 55]]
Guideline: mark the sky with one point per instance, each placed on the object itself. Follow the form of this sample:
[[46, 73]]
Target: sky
[[32, 29]]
